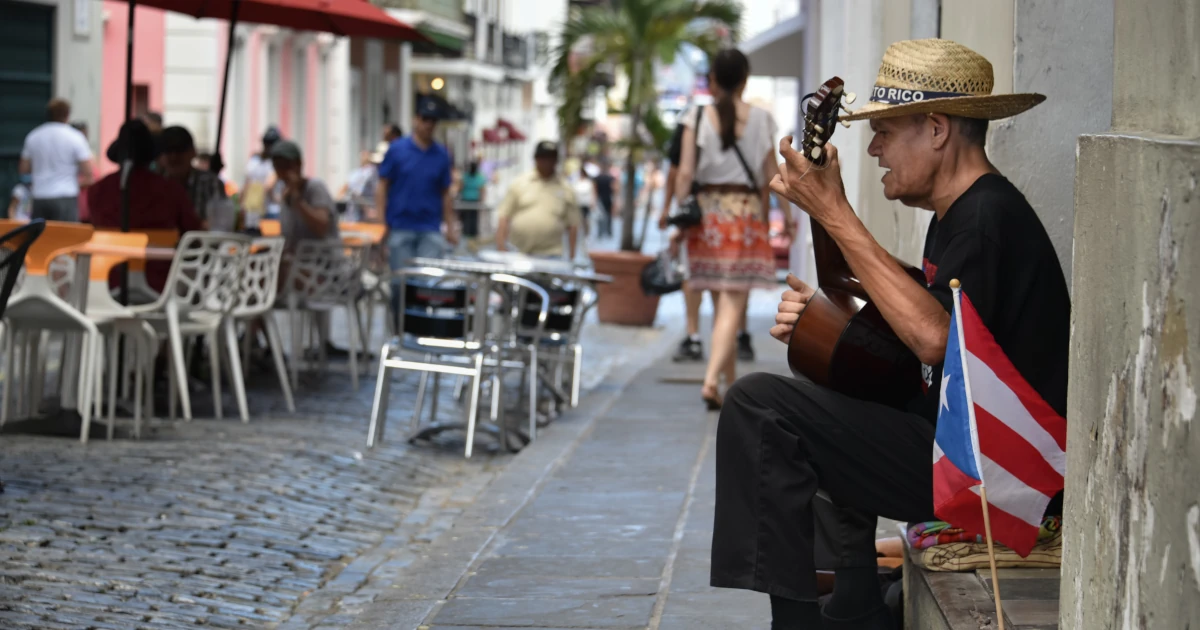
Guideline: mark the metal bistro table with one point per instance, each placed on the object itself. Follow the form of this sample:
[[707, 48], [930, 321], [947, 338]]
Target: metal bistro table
[[516, 265]]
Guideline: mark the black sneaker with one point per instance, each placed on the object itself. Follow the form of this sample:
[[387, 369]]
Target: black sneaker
[[745, 351], [689, 350]]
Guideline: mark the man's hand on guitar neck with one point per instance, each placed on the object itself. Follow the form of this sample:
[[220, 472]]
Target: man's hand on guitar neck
[[817, 190], [791, 304]]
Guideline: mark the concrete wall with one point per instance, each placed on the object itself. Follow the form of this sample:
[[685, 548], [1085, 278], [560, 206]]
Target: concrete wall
[[1132, 540], [1063, 50]]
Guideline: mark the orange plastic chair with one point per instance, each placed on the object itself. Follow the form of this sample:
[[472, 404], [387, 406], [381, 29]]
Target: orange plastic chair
[[270, 227]]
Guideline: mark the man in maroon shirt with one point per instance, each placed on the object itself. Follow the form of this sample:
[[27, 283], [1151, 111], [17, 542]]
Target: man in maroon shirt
[[155, 203]]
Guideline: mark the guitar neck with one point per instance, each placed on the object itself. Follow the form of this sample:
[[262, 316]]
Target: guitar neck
[[833, 272]]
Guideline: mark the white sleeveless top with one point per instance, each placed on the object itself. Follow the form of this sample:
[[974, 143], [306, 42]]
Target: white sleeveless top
[[723, 167]]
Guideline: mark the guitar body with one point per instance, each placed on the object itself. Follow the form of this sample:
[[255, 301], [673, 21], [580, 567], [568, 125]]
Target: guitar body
[[843, 343]]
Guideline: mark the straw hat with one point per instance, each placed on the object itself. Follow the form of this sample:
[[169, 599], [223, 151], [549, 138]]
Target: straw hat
[[937, 75]]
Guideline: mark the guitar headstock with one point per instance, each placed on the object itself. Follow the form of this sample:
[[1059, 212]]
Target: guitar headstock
[[820, 116]]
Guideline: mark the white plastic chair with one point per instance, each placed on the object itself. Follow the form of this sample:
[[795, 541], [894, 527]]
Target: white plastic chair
[[200, 293], [323, 275], [256, 299], [37, 307]]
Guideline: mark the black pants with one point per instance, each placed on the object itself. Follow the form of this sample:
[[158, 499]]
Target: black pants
[[782, 439]]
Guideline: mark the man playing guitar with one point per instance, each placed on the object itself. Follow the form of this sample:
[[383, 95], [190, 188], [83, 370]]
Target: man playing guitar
[[780, 440]]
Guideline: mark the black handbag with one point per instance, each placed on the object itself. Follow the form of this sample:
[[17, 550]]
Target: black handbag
[[688, 213]]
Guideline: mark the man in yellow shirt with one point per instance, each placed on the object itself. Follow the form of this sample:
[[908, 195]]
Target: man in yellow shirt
[[538, 209]]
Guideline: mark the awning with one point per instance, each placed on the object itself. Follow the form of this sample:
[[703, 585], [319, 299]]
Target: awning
[[443, 40], [514, 134], [340, 17], [456, 68], [491, 137], [779, 51]]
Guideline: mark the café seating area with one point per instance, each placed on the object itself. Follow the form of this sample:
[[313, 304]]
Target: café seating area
[[482, 321]]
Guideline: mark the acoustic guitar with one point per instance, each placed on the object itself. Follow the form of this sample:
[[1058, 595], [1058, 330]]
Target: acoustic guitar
[[841, 340]]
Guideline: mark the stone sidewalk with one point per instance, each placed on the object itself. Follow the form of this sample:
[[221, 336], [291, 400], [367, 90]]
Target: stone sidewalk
[[606, 523], [286, 522]]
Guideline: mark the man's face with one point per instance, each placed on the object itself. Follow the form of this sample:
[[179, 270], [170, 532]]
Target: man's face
[[178, 163], [423, 127], [286, 170], [388, 136], [546, 165], [904, 146]]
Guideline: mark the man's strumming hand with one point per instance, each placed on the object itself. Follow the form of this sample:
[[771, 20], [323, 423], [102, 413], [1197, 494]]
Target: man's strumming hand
[[791, 304], [817, 190]]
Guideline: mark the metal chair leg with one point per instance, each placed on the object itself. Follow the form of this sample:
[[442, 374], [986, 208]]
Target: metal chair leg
[[473, 410], [379, 405], [420, 402], [533, 390], [576, 373]]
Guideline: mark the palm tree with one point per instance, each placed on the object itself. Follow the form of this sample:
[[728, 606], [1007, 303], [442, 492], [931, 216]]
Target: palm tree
[[633, 35]]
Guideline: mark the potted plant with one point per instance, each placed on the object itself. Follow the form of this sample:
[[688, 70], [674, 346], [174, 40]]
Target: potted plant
[[631, 35]]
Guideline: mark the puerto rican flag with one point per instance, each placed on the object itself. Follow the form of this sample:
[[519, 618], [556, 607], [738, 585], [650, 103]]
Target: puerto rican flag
[[993, 431]]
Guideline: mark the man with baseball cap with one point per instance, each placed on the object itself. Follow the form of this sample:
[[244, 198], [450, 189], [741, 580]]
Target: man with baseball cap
[[306, 209], [781, 439], [539, 209], [414, 186]]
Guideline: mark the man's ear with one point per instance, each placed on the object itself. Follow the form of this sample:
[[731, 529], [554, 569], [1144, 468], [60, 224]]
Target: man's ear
[[939, 128]]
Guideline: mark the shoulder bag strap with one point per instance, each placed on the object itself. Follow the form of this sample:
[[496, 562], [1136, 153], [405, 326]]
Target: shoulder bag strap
[[749, 173]]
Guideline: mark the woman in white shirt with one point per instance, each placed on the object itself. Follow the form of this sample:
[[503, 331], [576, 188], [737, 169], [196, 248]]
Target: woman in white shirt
[[729, 151]]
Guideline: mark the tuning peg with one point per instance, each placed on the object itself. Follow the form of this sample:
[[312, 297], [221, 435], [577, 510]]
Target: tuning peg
[[844, 123], [849, 97], [819, 141], [815, 153], [818, 128]]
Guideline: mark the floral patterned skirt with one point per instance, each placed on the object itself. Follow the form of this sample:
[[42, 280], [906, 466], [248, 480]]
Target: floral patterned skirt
[[730, 250]]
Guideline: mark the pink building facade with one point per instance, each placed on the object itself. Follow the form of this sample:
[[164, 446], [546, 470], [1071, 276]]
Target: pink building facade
[[148, 69], [299, 82]]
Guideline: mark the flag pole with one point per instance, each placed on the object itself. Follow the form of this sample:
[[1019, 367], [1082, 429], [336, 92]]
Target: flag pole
[[956, 286], [987, 531]]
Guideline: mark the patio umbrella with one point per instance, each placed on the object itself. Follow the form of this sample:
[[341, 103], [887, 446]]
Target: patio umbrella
[[340, 17]]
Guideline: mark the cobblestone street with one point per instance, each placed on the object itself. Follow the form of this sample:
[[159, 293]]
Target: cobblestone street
[[287, 521]]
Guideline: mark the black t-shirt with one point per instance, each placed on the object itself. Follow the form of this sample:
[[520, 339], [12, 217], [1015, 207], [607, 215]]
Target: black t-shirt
[[604, 189], [992, 241]]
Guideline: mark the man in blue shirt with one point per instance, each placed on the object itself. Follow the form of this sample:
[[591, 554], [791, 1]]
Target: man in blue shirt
[[414, 178], [414, 181]]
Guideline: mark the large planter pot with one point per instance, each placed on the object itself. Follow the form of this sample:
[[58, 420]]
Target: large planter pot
[[622, 301]]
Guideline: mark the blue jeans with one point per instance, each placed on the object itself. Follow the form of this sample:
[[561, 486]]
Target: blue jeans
[[404, 245]]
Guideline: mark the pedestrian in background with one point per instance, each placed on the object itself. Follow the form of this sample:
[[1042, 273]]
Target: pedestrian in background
[[729, 149], [59, 160], [539, 210], [204, 187]]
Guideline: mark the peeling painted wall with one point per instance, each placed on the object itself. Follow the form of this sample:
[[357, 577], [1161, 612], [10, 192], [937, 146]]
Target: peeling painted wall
[[1132, 526]]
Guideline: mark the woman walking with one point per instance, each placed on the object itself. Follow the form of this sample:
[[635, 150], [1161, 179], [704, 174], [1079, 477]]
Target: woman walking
[[728, 150]]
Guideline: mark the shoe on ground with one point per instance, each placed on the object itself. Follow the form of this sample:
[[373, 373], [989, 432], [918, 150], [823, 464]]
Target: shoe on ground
[[745, 351], [689, 350]]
